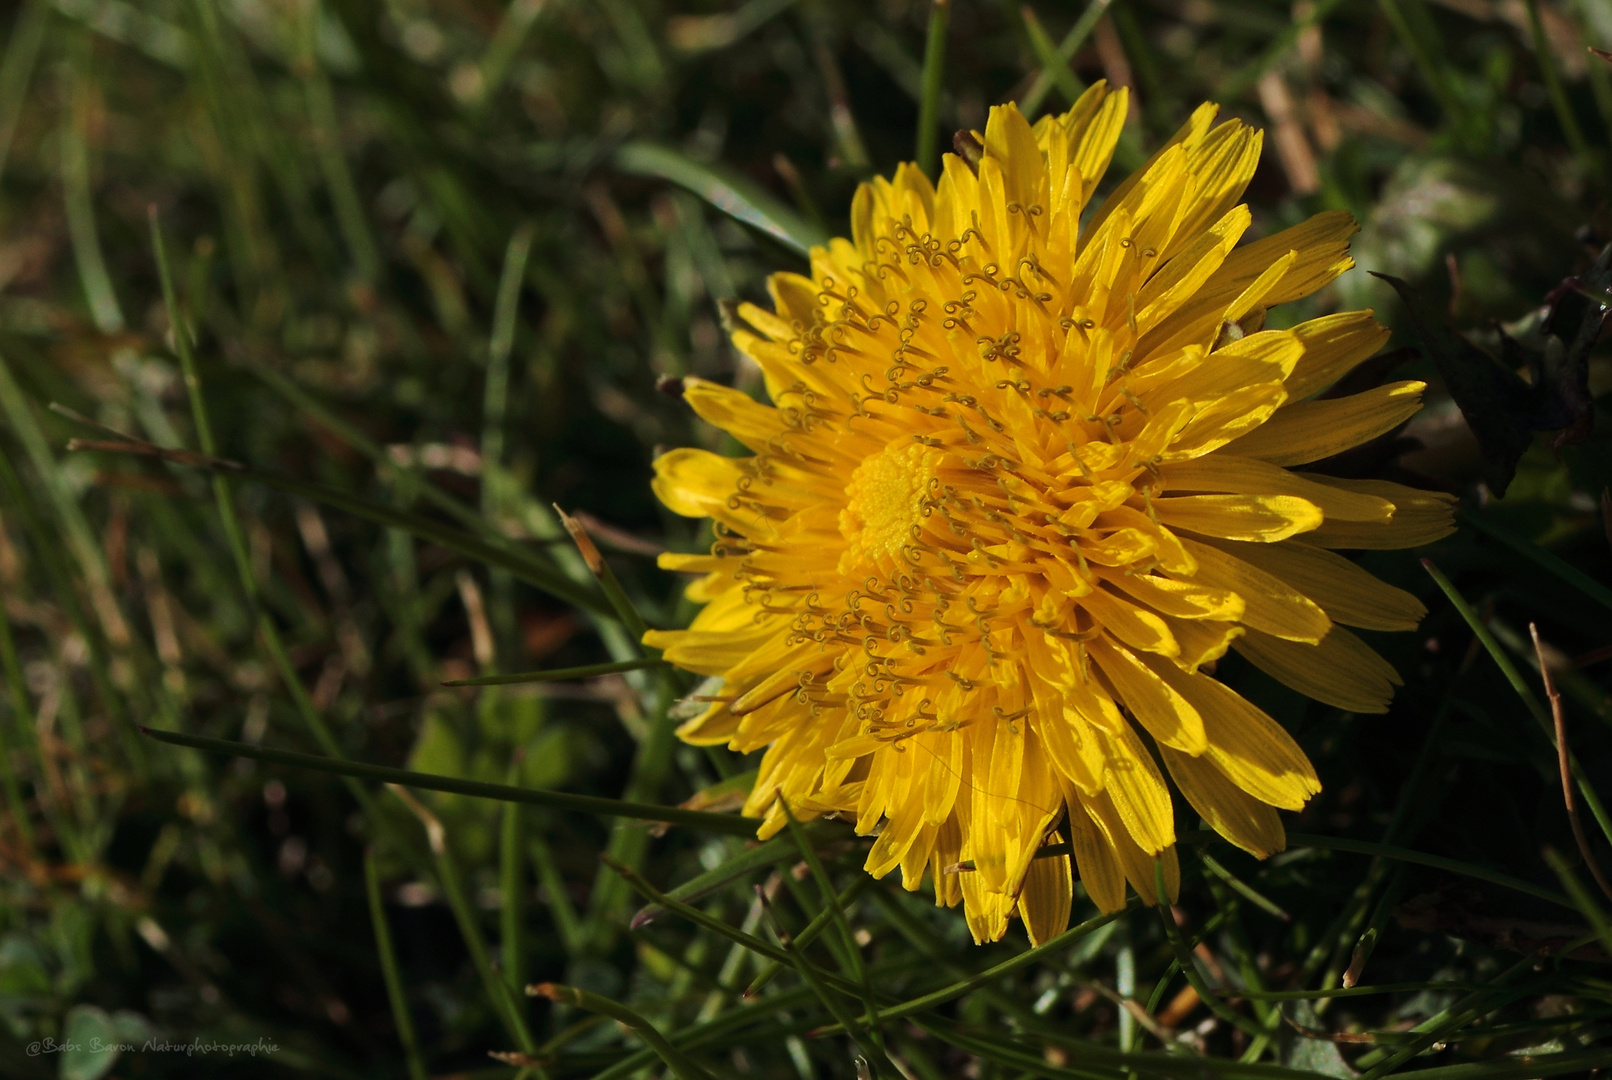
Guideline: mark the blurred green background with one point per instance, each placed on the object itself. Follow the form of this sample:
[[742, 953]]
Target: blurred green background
[[434, 256]]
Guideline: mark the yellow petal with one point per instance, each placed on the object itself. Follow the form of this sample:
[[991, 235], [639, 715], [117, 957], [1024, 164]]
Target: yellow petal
[[1224, 471], [713, 727], [1334, 345], [1347, 593], [1259, 518], [1187, 271], [1181, 599], [1420, 517], [1231, 417], [696, 483], [1166, 715], [1269, 603], [1342, 670], [1134, 786], [1135, 627], [1135, 862], [1311, 430], [735, 412], [1230, 811], [1045, 900], [1254, 751], [1095, 859]]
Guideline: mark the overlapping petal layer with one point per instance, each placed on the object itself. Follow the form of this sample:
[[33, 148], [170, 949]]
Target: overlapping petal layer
[[1020, 482]]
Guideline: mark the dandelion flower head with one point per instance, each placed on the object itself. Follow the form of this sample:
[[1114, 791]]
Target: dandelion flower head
[[1023, 481]]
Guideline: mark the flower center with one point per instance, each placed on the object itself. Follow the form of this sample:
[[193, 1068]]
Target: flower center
[[884, 499]]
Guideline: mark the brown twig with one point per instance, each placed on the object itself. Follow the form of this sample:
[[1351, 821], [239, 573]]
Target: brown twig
[[1556, 715]]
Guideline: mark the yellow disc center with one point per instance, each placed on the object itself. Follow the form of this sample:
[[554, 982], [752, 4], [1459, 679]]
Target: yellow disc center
[[884, 500]]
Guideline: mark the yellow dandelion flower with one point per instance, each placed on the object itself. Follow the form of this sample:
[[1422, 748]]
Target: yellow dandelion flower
[[1022, 480]]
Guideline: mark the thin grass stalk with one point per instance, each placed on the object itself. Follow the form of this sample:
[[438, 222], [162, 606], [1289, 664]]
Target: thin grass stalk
[[1557, 92], [17, 68], [934, 76], [512, 888], [391, 972], [820, 922], [381, 774], [1514, 677], [500, 994], [1046, 54], [1531, 551], [675, 1059], [325, 126], [1030, 104], [830, 898], [561, 909], [872, 1050], [20, 712], [582, 671], [992, 974]]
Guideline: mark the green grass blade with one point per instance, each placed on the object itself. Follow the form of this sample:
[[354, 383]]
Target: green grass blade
[[675, 1059], [1438, 862], [1513, 676], [527, 570], [1579, 580], [934, 75], [390, 971], [737, 197], [1046, 53], [584, 671], [476, 789], [991, 975], [17, 67], [499, 992], [1030, 104]]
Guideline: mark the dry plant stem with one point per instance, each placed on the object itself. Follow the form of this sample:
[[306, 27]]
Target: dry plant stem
[[1560, 721]]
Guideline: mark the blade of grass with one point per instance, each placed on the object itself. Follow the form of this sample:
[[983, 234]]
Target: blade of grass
[[1030, 104], [17, 68], [1242, 889], [1426, 58], [1580, 581], [584, 671], [1556, 91], [561, 909], [675, 1059], [608, 582], [769, 853], [1581, 898], [873, 1049], [512, 887], [325, 127], [820, 922], [525, 569], [1514, 677], [992, 974], [390, 972], [1438, 1028], [500, 993], [730, 194], [934, 81], [1046, 54], [1438, 862], [476, 789], [80, 201], [830, 898]]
